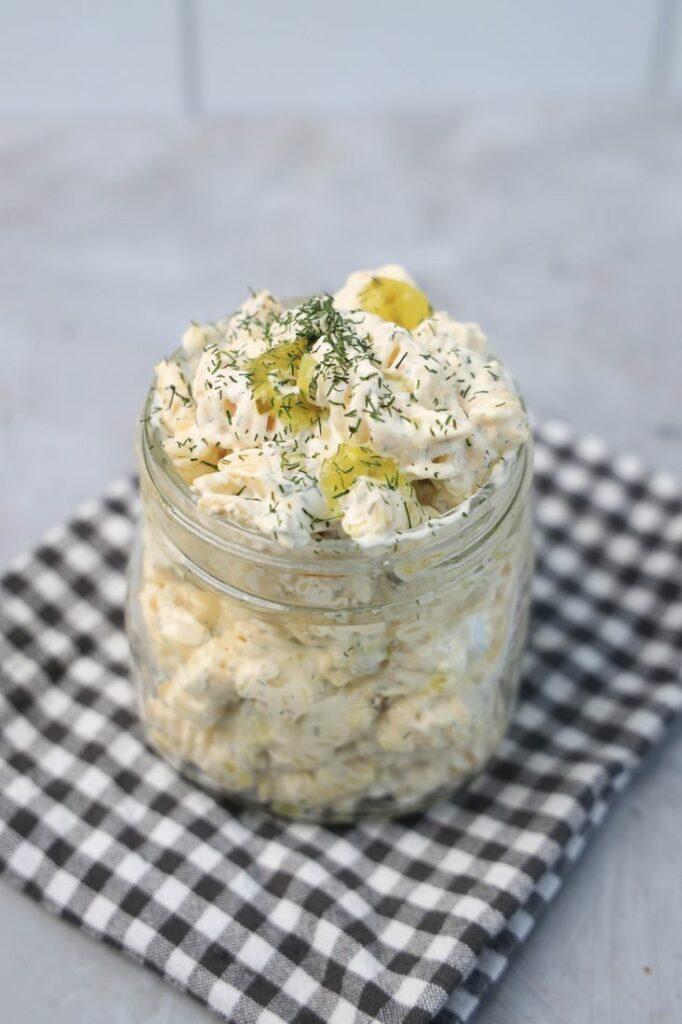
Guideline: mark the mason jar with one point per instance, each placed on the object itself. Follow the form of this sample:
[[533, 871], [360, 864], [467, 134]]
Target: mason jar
[[330, 682]]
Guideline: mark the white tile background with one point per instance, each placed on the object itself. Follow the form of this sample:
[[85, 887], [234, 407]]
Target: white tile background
[[175, 57]]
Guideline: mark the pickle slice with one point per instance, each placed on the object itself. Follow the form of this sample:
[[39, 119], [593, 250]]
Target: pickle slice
[[306, 374], [295, 413], [352, 461], [274, 376], [280, 362], [396, 301]]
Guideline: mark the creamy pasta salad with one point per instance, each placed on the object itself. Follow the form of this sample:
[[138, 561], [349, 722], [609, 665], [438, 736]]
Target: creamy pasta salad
[[356, 416]]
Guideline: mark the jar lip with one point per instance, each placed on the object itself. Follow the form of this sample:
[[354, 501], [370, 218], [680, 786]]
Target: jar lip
[[461, 526]]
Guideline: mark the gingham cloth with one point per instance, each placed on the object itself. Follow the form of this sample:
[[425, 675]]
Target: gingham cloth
[[404, 921]]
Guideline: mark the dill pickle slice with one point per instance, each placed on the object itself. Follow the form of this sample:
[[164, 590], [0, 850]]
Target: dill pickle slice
[[281, 362], [296, 413], [273, 375], [306, 372], [351, 461], [397, 301]]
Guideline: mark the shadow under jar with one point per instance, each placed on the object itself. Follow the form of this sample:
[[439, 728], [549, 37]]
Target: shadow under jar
[[328, 683]]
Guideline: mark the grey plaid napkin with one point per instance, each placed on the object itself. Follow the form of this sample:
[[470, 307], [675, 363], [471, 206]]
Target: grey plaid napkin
[[404, 921]]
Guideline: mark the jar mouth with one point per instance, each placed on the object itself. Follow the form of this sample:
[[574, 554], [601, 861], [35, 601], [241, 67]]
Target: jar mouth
[[456, 531]]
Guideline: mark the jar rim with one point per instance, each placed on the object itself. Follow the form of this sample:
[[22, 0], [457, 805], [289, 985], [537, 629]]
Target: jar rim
[[455, 532]]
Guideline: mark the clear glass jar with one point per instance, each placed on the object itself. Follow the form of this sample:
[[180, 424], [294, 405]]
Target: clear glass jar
[[328, 683]]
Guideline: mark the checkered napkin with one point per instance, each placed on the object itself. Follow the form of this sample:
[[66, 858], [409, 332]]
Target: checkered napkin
[[406, 921]]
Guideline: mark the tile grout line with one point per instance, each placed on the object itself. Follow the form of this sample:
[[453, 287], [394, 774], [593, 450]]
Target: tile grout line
[[663, 46], [191, 85]]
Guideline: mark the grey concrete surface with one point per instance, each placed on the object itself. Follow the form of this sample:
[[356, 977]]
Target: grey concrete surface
[[558, 227]]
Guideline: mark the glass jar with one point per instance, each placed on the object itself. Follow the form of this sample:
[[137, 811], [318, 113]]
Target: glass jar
[[328, 683]]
